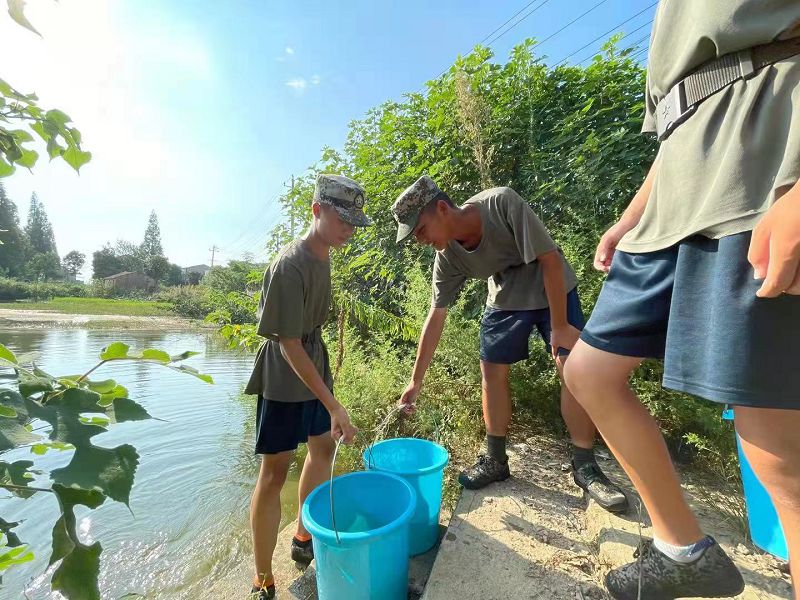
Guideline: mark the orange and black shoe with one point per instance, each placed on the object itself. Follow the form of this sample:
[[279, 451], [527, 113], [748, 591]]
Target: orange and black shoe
[[302, 552]]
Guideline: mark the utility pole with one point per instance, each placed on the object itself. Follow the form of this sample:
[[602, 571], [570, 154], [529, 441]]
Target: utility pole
[[213, 251]]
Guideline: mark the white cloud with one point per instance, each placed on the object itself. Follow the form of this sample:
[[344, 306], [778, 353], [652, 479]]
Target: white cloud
[[289, 50], [315, 79], [298, 84]]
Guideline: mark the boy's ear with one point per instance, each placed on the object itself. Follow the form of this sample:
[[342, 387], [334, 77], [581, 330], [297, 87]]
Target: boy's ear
[[316, 209], [442, 208]]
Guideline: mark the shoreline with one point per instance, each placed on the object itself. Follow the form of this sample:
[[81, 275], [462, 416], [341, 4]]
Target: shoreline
[[40, 319]]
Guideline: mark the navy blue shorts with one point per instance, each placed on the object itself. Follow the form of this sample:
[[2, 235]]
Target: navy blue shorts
[[694, 305], [282, 426], [505, 333]]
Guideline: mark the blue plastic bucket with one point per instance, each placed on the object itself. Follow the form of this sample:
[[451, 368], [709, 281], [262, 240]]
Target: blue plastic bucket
[[765, 527], [421, 463], [370, 560]]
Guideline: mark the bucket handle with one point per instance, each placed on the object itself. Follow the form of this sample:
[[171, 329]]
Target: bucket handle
[[330, 487]]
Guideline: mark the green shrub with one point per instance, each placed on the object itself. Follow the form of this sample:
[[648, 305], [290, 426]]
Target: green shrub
[[191, 301], [14, 289]]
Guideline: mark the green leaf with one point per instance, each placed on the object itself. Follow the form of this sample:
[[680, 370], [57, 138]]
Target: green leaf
[[7, 412], [13, 432], [54, 149], [28, 158], [125, 409], [42, 131], [58, 117], [76, 135], [15, 556], [7, 355], [192, 371], [76, 157], [115, 351], [153, 354], [110, 470], [76, 577], [44, 447], [101, 387], [34, 382], [99, 421], [14, 473], [16, 8], [5, 529], [5, 168]]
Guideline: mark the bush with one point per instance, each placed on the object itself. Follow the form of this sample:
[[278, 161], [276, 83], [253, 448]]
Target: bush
[[13, 289], [191, 301]]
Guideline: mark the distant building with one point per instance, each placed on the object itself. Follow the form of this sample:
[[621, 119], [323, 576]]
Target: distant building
[[193, 275], [200, 270], [128, 281]]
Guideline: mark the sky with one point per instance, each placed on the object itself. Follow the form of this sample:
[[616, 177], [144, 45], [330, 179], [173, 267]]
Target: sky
[[203, 110]]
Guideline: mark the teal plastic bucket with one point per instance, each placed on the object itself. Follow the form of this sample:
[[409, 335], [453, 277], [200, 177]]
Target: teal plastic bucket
[[370, 559], [421, 463], [765, 527]]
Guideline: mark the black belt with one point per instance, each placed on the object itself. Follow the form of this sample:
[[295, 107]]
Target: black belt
[[685, 96]]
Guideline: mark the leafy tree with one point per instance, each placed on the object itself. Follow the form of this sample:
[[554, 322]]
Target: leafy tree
[[73, 262], [15, 244], [40, 233], [174, 275], [129, 255], [73, 409], [43, 266], [151, 245], [106, 263]]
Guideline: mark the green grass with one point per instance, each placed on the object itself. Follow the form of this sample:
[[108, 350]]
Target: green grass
[[95, 306]]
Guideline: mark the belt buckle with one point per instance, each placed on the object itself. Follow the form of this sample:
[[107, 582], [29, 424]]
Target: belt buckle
[[672, 111]]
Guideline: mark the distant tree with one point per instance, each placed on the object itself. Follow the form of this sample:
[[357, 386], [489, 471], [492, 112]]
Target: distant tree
[[73, 262], [174, 275], [15, 243], [129, 255], [39, 231], [105, 263], [193, 278], [151, 252], [43, 266]]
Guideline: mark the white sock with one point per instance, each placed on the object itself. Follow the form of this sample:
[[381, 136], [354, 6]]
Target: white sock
[[683, 554]]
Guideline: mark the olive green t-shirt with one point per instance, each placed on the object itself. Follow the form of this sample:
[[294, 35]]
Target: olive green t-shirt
[[720, 170], [295, 303], [513, 236]]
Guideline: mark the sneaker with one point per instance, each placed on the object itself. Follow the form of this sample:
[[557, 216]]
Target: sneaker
[[712, 575], [594, 482], [487, 470], [302, 553], [262, 593]]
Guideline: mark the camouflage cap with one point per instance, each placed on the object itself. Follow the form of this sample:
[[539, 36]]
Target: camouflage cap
[[409, 204], [345, 195]]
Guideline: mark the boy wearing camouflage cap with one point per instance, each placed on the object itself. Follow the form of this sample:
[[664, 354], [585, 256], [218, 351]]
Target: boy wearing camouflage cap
[[495, 235], [292, 375]]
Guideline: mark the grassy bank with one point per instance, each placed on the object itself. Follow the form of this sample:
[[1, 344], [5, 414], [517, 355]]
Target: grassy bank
[[95, 306]]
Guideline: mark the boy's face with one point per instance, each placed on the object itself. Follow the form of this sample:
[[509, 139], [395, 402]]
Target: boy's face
[[334, 230], [433, 226]]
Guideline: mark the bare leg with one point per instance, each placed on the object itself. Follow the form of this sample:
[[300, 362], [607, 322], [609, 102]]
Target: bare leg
[[580, 426], [599, 381], [316, 470], [496, 398], [771, 441], [265, 512]]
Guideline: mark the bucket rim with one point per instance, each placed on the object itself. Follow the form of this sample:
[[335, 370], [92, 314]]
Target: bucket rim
[[317, 530], [437, 466]]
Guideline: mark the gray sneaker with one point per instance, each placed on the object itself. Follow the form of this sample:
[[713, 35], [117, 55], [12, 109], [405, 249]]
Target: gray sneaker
[[487, 470], [594, 482], [302, 553], [713, 575], [262, 593]]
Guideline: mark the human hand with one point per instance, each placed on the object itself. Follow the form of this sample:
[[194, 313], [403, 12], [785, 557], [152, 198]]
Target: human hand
[[341, 427], [408, 400], [775, 248], [608, 245]]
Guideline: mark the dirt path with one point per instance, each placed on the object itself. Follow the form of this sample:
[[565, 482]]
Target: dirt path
[[28, 319], [535, 536]]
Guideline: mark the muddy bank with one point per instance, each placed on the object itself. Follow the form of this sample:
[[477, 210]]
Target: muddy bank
[[28, 319]]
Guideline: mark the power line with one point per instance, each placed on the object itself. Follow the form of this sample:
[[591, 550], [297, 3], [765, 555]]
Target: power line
[[593, 54], [570, 24], [610, 31], [498, 29], [493, 40]]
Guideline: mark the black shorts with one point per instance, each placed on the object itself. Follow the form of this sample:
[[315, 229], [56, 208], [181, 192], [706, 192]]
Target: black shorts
[[282, 426], [505, 334], [694, 305]]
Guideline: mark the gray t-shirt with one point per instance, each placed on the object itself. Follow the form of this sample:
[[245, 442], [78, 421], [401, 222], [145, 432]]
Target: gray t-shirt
[[719, 171], [295, 303], [513, 236]]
